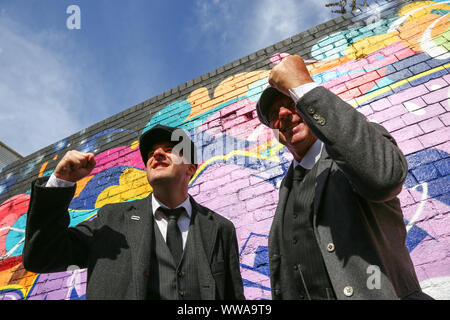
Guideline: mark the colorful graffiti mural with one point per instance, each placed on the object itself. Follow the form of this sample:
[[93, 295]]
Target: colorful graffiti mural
[[393, 70]]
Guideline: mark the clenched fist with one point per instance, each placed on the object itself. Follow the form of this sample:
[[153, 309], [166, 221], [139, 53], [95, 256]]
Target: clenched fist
[[74, 166], [289, 73]]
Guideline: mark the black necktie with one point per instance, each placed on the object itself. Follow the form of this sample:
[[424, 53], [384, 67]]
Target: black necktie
[[173, 239], [299, 173]]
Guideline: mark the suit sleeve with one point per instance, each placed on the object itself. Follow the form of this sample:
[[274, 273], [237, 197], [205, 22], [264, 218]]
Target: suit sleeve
[[50, 245], [233, 289], [365, 152]]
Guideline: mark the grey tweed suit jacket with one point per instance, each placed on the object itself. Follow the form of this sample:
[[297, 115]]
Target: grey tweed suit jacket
[[357, 217], [116, 248]]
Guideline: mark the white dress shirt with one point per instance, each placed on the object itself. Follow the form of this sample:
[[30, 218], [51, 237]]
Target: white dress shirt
[[54, 182], [311, 157], [300, 91], [183, 221]]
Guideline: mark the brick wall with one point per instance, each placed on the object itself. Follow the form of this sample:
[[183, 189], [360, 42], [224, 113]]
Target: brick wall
[[391, 63]]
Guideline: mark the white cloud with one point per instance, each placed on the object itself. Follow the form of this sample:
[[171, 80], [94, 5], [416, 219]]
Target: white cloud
[[237, 28], [39, 89], [278, 20]]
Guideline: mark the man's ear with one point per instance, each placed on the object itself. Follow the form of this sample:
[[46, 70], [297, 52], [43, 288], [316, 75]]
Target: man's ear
[[191, 170]]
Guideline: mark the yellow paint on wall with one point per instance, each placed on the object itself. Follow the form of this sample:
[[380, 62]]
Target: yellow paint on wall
[[235, 86], [15, 287], [419, 14], [254, 153], [133, 184], [23, 284], [363, 99], [135, 144], [366, 46]]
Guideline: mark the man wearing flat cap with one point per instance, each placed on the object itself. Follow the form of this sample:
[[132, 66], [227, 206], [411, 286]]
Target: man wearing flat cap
[[165, 246], [338, 230]]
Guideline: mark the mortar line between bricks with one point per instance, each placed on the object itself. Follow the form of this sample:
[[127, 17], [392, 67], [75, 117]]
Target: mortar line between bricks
[[396, 85]]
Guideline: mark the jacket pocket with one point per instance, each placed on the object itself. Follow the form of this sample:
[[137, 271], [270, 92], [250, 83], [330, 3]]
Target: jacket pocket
[[300, 282]]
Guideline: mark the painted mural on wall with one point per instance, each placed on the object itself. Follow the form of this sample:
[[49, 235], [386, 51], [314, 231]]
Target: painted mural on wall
[[395, 71]]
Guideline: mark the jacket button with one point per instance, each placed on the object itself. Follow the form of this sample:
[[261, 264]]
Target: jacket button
[[348, 291], [330, 247], [310, 110], [316, 116], [277, 292], [321, 121]]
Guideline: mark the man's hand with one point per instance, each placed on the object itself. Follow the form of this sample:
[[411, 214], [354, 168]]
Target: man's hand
[[74, 166], [289, 73]]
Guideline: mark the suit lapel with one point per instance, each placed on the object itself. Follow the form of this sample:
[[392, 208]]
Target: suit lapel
[[323, 170], [205, 237], [285, 187], [322, 173], [207, 228], [139, 220]]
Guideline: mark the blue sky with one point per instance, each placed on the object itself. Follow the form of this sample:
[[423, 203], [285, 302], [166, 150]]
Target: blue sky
[[55, 82]]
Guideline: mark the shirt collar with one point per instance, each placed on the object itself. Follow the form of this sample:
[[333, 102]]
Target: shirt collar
[[311, 157], [186, 204]]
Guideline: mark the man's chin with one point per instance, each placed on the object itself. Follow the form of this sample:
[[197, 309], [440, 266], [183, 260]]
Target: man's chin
[[300, 145], [297, 138], [158, 177]]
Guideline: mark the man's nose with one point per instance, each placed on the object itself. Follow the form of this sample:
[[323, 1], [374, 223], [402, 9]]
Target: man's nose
[[159, 154], [284, 113]]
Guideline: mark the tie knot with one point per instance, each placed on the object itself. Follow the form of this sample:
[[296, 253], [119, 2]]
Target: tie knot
[[172, 214], [299, 173]]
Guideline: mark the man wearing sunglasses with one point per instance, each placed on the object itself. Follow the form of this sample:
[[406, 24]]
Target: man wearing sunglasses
[[338, 230]]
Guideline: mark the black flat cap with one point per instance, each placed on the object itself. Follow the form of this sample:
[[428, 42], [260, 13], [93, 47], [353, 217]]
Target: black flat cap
[[265, 101], [161, 133]]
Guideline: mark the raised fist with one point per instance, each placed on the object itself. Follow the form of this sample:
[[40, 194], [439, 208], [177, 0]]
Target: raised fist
[[290, 73], [74, 166]]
